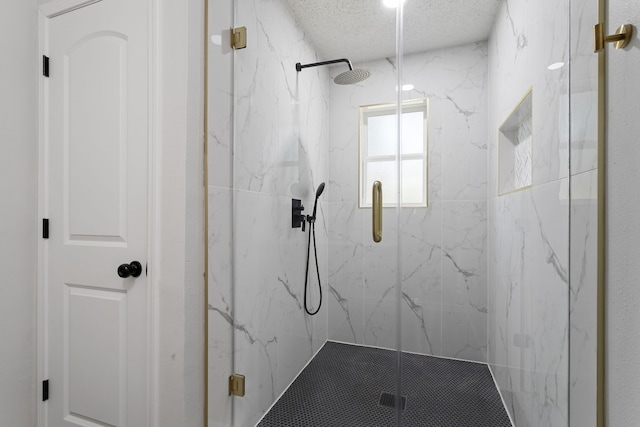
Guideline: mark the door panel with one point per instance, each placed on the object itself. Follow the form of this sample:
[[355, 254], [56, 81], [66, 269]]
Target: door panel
[[96, 145], [95, 141], [87, 347]]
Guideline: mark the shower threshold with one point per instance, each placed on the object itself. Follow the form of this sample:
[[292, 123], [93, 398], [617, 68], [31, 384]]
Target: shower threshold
[[345, 385]]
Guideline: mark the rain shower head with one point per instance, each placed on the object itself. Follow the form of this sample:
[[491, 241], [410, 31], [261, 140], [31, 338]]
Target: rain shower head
[[347, 78], [351, 77]]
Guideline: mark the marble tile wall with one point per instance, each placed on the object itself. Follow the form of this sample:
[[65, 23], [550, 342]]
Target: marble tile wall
[[528, 244], [443, 247], [267, 141]]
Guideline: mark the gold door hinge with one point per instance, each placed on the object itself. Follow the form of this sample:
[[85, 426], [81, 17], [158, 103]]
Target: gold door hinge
[[239, 38], [621, 38], [236, 385]]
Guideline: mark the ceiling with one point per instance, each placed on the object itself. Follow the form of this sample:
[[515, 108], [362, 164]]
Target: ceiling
[[363, 30]]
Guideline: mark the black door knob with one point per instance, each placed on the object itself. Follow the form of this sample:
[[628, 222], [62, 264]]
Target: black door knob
[[134, 269]]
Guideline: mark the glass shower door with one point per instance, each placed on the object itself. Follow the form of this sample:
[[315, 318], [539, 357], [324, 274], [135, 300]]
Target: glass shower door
[[470, 141]]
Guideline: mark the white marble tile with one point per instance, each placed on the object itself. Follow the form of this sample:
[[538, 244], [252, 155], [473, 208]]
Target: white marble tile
[[280, 114], [464, 334], [464, 120], [279, 150], [343, 156], [584, 157], [464, 235], [464, 279], [381, 297], [584, 89], [528, 234], [549, 299], [220, 306], [421, 243], [256, 301], [583, 298], [528, 324], [274, 338], [421, 279], [551, 88], [421, 326], [346, 272], [454, 80], [220, 94]]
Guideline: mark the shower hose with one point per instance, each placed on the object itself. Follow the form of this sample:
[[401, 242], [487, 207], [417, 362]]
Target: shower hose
[[312, 230]]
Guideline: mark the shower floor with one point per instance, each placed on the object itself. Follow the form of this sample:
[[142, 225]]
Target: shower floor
[[343, 384]]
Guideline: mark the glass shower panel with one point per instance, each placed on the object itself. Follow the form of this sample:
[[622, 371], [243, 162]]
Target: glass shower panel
[[220, 212], [485, 276], [585, 169], [294, 130], [528, 239]]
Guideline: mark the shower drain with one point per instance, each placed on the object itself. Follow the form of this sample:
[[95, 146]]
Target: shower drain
[[389, 400]]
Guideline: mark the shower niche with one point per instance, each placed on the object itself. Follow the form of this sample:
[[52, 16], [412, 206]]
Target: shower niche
[[515, 140]]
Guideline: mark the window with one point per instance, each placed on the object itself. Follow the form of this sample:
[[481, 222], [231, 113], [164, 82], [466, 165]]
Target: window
[[378, 153]]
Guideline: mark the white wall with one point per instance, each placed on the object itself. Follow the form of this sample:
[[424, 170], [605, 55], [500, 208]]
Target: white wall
[[18, 213], [622, 222], [179, 211]]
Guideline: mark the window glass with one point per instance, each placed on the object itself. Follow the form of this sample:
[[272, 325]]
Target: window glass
[[382, 135], [378, 153], [412, 132], [413, 182]]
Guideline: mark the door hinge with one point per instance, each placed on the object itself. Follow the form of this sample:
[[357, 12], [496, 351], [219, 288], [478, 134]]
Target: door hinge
[[236, 385], [45, 390], [239, 38], [45, 66], [45, 228]]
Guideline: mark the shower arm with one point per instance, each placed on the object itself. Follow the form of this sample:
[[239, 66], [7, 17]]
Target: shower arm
[[299, 66]]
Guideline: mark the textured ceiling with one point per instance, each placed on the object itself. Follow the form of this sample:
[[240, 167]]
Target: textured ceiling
[[362, 30]]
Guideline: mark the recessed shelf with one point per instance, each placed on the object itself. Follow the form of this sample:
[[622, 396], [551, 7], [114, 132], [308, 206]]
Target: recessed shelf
[[515, 140]]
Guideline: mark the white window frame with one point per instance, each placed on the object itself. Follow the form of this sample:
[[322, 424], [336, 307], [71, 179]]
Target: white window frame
[[366, 111]]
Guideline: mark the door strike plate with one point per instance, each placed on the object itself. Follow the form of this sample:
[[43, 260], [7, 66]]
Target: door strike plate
[[236, 385], [239, 38]]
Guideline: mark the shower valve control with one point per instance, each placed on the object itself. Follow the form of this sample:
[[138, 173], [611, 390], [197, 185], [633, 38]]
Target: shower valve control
[[297, 217]]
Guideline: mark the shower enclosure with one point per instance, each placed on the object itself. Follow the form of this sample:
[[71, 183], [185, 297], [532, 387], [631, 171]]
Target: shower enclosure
[[468, 131]]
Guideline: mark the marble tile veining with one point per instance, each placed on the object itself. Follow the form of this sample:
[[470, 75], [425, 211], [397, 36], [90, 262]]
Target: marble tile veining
[[443, 247], [528, 231]]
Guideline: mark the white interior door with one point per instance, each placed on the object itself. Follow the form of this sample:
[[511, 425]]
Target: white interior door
[[96, 119]]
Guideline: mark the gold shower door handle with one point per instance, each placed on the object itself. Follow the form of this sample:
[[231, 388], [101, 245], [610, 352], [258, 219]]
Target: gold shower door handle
[[377, 211]]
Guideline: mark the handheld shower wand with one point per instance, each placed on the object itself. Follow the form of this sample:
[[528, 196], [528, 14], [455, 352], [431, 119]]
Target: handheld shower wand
[[318, 193], [312, 230]]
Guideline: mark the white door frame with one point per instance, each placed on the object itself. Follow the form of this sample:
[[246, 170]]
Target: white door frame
[[45, 12]]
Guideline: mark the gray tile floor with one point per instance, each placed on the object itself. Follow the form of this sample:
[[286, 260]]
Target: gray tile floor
[[342, 386]]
